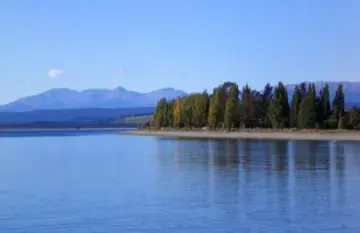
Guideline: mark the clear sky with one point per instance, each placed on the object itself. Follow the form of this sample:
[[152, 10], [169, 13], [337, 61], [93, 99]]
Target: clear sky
[[190, 45]]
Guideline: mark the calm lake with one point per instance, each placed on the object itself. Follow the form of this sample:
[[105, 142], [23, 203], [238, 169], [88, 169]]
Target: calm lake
[[102, 182]]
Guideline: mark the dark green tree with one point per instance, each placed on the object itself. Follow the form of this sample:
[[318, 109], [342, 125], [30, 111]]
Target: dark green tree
[[220, 101], [187, 111], [245, 109], [295, 106], [205, 107], [313, 90], [279, 110], [266, 97], [354, 118], [165, 120], [320, 112], [303, 90], [177, 121], [231, 107], [307, 113], [198, 110], [338, 103], [169, 113], [318, 106], [343, 122], [160, 114], [310, 90], [322, 107], [213, 113], [325, 99]]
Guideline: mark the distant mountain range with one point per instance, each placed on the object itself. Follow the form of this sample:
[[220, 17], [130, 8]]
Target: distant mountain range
[[62, 98], [92, 116]]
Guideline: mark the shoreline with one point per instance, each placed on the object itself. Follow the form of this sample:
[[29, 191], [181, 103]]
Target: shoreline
[[64, 129], [269, 135]]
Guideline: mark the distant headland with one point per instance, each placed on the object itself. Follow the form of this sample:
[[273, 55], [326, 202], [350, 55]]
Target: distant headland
[[231, 109]]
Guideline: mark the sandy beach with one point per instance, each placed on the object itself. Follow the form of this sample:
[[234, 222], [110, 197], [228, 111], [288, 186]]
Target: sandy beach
[[274, 135]]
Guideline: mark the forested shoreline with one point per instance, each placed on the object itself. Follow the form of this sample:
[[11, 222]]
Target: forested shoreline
[[229, 108]]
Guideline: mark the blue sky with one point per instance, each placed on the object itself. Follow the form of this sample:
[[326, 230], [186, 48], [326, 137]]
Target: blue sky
[[190, 44]]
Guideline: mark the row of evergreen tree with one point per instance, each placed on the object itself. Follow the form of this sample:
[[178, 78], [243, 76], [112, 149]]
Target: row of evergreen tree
[[227, 107]]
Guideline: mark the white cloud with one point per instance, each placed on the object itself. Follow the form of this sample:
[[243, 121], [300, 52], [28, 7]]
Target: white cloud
[[54, 73]]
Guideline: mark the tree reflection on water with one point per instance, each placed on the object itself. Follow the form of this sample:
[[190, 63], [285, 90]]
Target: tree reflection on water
[[249, 155]]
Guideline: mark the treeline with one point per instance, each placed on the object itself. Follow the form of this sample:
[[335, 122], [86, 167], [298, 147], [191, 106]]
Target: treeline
[[229, 108]]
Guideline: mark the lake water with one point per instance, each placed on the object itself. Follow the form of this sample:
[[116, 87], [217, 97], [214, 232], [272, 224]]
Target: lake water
[[112, 183]]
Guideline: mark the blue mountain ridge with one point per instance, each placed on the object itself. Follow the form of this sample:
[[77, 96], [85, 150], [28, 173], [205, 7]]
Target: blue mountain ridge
[[62, 98]]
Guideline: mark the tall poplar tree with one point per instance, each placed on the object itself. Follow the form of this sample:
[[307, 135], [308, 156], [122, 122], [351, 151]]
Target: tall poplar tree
[[169, 113], [187, 109], [246, 106], [231, 107], [198, 110], [205, 108], [160, 114], [213, 113], [177, 113], [166, 110]]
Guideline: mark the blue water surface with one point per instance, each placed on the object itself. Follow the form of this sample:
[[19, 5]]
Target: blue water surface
[[104, 182]]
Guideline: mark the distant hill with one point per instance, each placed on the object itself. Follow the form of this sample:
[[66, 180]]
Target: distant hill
[[72, 115], [62, 98]]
